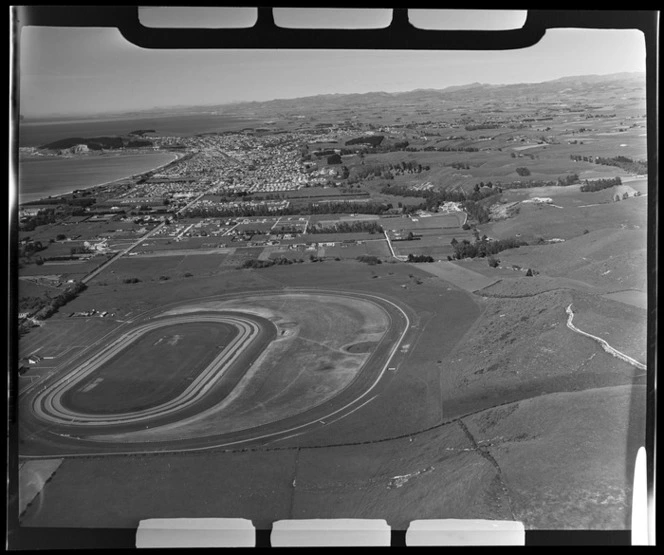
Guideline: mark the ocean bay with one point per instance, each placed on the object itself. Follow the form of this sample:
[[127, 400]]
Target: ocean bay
[[41, 177]]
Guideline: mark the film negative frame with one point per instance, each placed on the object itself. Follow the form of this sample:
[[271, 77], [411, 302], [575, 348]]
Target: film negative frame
[[402, 35]]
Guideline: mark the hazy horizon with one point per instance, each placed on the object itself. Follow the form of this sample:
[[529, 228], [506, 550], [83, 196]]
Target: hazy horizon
[[83, 72], [157, 109]]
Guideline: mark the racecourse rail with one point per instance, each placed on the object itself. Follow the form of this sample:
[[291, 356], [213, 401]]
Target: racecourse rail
[[48, 406]]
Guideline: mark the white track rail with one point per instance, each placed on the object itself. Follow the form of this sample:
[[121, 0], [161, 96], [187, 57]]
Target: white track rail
[[48, 406]]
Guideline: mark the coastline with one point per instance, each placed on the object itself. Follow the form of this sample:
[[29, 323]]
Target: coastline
[[176, 156]]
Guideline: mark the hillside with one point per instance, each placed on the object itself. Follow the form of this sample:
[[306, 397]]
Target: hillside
[[597, 87], [97, 143]]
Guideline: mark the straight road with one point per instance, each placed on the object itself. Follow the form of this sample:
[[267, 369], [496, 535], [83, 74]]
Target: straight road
[[131, 247]]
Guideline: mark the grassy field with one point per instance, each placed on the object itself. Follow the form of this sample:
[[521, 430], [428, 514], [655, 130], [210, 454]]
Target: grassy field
[[441, 473], [68, 269], [417, 223], [458, 274], [471, 359], [550, 222], [151, 370], [31, 288], [610, 259], [61, 335], [562, 469]]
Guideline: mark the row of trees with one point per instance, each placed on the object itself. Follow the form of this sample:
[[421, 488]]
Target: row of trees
[[256, 263], [599, 184], [477, 126], [450, 148], [580, 158], [80, 249], [30, 303], [69, 294], [247, 210], [388, 171], [562, 181], [347, 227], [420, 258], [625, 163]]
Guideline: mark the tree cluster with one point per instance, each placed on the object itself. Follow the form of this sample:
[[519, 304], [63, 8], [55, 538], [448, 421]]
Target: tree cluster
[[388, 171], [80, 249], [470, 202], [580, 158], [483, 247], [29, 223], [476, 211], [420, 258], [570, 179], [370, 260], [28, 248]]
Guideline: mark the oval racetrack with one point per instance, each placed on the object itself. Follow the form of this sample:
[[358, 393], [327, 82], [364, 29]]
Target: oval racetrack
[[49, 407], [263, 385]]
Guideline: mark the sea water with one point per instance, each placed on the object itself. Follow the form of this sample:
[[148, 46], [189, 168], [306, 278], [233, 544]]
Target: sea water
[[41, 177]]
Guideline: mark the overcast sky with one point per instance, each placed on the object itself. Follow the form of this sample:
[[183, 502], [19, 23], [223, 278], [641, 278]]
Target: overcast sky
[[95, 70]]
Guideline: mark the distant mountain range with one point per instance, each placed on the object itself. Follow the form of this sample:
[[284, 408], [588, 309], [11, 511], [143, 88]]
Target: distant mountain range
[[595, 85]]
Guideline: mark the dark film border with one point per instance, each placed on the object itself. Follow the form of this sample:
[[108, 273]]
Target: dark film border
[[399, 35]]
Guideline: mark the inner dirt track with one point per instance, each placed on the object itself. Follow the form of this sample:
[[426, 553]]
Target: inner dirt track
[[286, 371]]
